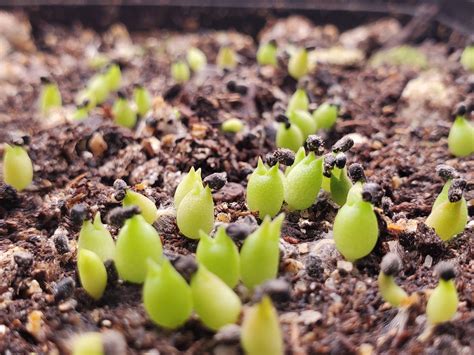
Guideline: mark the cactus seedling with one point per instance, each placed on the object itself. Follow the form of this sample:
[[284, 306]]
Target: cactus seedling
[[220, 256], [147, 206], [17, 167], [232, 125], [304, 121], [265, 190], [196, 59], [95, 237], [391, 292], [136, 242], [92, 273], [325, 116], [82, 111], [226, 58], [88, 344], [449, 215], [50, 96], [443, 302], [215, 303], [298, 101], [467, 58], [267, 54], [288, 135], [97, 90], [113, 77], [180, 72], [461, 134], [186, 184], [259, 256], [166, 295], [142, 99], [196, 212], [261, 333], [355, 226], [298, 63], [123, 113]]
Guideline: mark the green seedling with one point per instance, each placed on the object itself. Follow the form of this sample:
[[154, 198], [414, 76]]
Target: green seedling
[[304, 121], [226, 58], [355, 227], [124, 115], [98, 61], [92, 273], [303, 181], [220, 256], [390, 291], [261, 332], [196, 59], [232, 125], [50, 96], [467, 58], [215, 303], [136, 242], [443, 302], [196, 212], [260, 254], [400, 56], [267, 54], [147, 206], [461, 134], [186, 185], [17, 167], [289, 136], [166, 295], [142, 99], [265, 190], [325, 116], [82, 111], [449, 214], [113, 77], [96, 238], [299, 156], [180, 72], [298, 65], [298, 101], [88, 344], [97, 90]]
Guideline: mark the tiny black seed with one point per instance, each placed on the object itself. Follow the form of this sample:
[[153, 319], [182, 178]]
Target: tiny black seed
[[61, 243], [216, 181], [343, 144], [186, 265], [119, 215], [79, 213], [64, 289], [356, 172]]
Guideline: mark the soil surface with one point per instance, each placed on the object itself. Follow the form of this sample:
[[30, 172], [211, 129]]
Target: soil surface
[[399, 125]]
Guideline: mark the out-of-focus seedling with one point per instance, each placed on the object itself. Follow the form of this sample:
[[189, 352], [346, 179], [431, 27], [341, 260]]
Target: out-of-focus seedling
[[82, 111], [467, 58], [88, 344], [17, 166], [390, 291], [92, 273], [166, 295], [260, 254], [180, 71], [265, 190], [298, 65], [123, 113], [298, 101], [443, 302], [304, 121], [288, 135], [267, 54], [142, 99], [226, 58], [325, 116], [215, 303], [113, 77], [220, 256], [196, 59], [261, 332], [50, 96], [461, 134], [232, 125]]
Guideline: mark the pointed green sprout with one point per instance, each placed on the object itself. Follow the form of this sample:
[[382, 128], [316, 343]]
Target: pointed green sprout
[[449, 214], [124, 115], [390, 291], [50, 96], [298, 101], [340, 185], [136, 242], [325, 116], [142, 99], [113, 77], [147, 206], [303, 182], [299, 156], [261, 332], [226, 58], [186, 185], [289, 136], [17, 167], [267, 54], [304, 121], [96, 238], [232, 125], [196, 59], [443, 302], [220, 256], [467, 58], [88, 344], [260, 253], [461, 134], [196, 212], [355, 227], [166, 295], [82, 111], [92, 273], [97, 90], [180, 71], [215, 303], [298, 64], [265, 190]]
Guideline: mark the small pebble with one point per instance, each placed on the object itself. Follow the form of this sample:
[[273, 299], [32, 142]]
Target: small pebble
[[79, 213], [114, 343], [278, 290], [216, 181], [60, 242], [23, 260], [228, 334], [314, 266], [64, 289], [238, 231]]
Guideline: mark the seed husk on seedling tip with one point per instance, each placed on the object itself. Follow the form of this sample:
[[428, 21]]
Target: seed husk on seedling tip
[[288, 135], [390, 291]]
